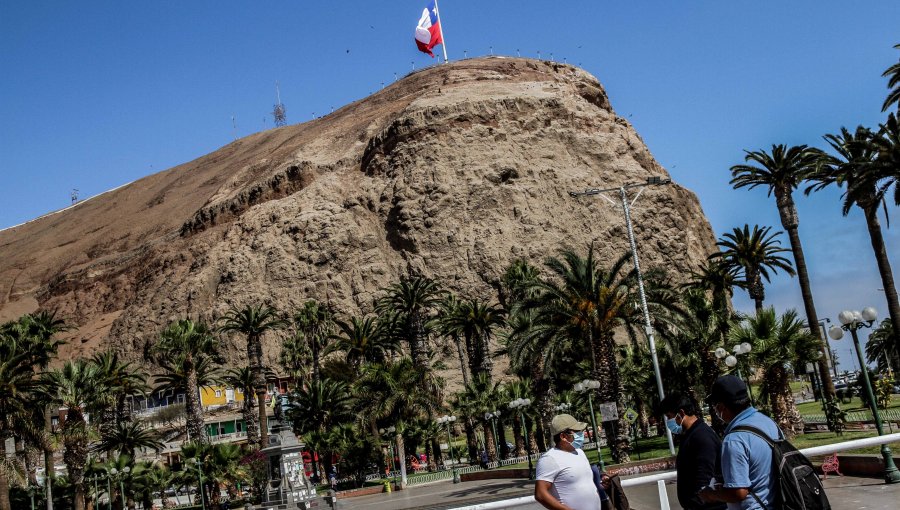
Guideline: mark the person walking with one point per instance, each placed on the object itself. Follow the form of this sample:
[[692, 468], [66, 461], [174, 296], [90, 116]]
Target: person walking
[[699, 451], [564, 477], [747, 479]]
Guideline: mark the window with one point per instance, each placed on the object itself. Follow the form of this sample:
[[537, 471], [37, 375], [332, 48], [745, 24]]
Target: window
[[240, 426], [218, 393]]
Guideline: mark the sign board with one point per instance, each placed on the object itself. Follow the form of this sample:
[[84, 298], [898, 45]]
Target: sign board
[[608, 411], [630, 415]]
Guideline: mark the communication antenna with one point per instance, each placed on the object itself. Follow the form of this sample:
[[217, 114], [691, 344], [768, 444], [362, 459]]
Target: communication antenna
[[74, 196], [234, 128], [518, 54], [278, 112], [492, 51]]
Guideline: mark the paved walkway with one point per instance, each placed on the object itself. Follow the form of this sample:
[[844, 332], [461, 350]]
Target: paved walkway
[[846, 492]]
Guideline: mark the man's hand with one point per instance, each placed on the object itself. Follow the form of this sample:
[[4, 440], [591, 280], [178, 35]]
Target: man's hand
[[543, 496]]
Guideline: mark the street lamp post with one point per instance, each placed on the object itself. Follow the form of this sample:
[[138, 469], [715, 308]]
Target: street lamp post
[[852, 321], [109, 475], [731, 361], [199, 464], [587, 386], [492, 417], [519, 405], [125, 472], [447, 420], [648, 327]]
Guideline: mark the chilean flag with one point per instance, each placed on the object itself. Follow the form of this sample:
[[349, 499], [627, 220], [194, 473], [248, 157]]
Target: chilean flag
[[428, 31]]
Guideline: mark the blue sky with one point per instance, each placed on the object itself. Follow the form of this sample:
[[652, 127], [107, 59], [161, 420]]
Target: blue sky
[[96, 94]]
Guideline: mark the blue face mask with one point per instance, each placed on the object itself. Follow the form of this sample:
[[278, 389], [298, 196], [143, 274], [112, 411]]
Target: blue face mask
[[672, 426], [578, 439]]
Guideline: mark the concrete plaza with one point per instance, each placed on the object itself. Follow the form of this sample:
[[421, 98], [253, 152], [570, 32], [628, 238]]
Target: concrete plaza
[[845, 493]]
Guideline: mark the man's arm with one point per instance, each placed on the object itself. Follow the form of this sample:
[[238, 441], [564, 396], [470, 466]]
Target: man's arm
[[724, 495], [543, 496]]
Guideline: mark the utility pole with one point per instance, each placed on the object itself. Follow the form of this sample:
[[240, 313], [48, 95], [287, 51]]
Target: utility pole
[[648, 328]]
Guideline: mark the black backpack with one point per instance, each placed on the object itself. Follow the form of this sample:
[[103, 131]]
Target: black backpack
[[797, 484]]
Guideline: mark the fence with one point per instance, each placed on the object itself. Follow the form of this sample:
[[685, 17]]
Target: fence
[[888, 415], [660, 478]]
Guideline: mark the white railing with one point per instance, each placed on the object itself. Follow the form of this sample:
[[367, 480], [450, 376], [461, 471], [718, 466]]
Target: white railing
[[660, 478]]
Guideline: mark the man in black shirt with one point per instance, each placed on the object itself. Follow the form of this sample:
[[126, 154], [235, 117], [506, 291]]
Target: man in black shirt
[[699, 453]]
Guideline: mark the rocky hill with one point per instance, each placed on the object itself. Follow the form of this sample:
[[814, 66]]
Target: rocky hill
[[451, 172]]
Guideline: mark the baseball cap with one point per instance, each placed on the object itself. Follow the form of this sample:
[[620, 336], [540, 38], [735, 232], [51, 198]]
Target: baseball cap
[[727, 389], [563, 422]]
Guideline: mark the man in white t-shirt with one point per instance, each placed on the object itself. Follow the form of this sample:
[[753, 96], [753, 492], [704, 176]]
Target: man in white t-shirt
[[564, 477]]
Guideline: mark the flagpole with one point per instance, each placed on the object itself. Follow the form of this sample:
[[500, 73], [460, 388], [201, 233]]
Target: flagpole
[[441, 28]]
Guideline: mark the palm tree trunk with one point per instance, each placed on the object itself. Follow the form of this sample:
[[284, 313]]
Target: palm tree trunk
[[471, 440], [194, 410], [5, 504], [884, 268], [436, 451], [517, 434], [487, 363], [791, 223], [401, 453], [501, 432], [76, 453], [756, 289], [417, 341], [254, 357], [611, 391], [462, 360], [490, 442], [248, 409]]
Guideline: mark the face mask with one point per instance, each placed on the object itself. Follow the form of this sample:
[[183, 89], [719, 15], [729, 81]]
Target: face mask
[[718, 414], [672, 426], [578, 440]]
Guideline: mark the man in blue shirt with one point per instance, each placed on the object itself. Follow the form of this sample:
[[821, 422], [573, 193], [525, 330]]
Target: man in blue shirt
[[748, 483]]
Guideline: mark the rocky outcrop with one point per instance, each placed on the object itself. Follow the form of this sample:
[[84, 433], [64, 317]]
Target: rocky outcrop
[[451, 172]]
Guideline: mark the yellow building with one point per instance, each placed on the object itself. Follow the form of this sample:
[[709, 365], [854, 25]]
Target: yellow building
[[217, 396]]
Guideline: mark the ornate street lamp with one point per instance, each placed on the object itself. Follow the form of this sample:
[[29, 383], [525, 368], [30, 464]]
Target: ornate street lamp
[[588, 386], [447, 420], [492, 417], [519, 405], [852, 321], [731, 360]]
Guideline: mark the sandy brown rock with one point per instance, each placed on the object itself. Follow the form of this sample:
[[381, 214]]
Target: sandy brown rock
[[452, 172]]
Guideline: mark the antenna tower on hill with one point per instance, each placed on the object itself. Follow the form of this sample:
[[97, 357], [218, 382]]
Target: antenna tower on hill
[[279, 112]]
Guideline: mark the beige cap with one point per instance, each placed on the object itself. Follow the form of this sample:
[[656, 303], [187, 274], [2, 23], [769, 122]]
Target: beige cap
[[562, 422]]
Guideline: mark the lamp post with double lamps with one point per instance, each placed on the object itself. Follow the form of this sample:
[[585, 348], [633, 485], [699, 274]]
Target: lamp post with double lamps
[[852, 321], [519, 406], [492, 417], [588, 386], [447, 420], [622, 191]]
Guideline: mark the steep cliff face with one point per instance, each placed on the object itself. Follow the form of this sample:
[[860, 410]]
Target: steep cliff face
[[452, 172]]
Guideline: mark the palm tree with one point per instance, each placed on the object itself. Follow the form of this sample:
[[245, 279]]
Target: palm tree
[[719, 280], [517, 283], [255, 321], [318, 406], [75, 387], [860, 161], [396, 392], [241, 379], [754, 254], [778, 343], [476, 321], [183, 348], [445, 324], [412, 298], [127, 437], [893, 75], [781, 172], [125, 380], [362, 340], [16, 383], [314, 324], [881, 349], [579, 312]]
